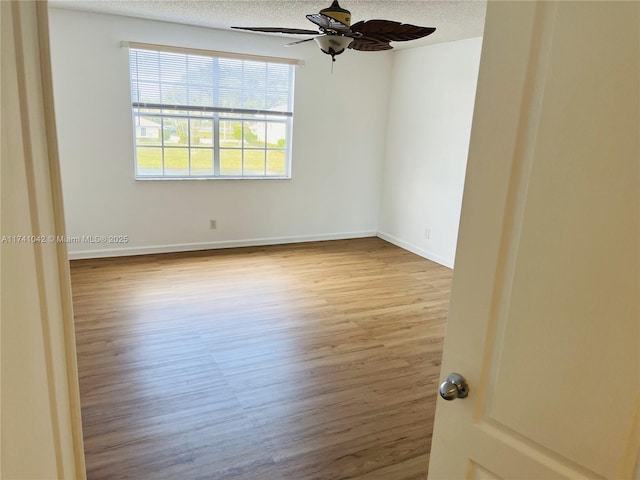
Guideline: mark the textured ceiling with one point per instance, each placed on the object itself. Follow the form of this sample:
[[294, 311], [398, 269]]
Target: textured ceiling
[[454, 20]]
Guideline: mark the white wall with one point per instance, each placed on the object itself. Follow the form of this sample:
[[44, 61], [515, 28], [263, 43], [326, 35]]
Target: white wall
[[338, 147], [431, 105]]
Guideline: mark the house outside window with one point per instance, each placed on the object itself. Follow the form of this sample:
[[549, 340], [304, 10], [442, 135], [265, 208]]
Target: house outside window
[[200, 114]]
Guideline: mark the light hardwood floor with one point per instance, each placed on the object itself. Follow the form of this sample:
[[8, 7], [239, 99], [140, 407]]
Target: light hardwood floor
[[307, 361]]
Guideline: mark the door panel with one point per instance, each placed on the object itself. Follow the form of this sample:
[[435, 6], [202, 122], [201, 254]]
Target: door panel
[[545, 313], [479, 473]]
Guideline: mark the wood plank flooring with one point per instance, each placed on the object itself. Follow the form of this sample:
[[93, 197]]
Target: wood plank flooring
[[308, 361]]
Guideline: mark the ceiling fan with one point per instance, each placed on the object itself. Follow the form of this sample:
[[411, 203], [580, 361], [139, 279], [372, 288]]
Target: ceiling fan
[[337, 33]]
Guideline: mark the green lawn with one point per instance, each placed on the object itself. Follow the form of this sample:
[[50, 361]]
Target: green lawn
[[149, 160]]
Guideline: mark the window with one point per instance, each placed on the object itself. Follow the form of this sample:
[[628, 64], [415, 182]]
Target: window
[[200, 114]]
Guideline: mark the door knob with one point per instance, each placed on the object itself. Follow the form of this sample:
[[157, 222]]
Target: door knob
[[455, 386]]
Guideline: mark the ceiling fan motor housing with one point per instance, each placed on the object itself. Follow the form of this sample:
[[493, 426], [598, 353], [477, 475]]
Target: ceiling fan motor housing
[[338, 13]]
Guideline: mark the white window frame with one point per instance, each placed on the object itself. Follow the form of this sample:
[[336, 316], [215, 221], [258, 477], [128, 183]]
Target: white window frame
[[216, 115]]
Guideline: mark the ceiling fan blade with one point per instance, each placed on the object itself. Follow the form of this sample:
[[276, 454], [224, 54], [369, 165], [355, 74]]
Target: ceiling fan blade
[[300, 41], [328, 24], [365, 45], [296, 31], [388, 31]]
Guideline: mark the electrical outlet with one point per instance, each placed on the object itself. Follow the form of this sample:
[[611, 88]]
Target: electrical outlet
[[427, 233], [213, 224]]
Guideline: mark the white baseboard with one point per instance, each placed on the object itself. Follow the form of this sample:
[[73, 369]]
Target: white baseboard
[[188, 247], [434, 257]]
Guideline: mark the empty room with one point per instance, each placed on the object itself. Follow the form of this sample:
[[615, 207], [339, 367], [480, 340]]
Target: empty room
[[297, 340], [229, 232]]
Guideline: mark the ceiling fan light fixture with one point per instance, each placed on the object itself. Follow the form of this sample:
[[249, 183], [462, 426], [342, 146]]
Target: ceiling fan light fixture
[[333, 44]]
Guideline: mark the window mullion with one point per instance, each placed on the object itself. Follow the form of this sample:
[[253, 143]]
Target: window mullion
[[215, 76], [216, 145], [189, 143], [162, 143], [242, 148]]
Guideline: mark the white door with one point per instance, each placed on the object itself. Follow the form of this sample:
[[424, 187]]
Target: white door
[[544, 319]]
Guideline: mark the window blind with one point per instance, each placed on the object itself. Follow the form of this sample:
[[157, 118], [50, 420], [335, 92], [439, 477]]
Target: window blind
[[199, 82]]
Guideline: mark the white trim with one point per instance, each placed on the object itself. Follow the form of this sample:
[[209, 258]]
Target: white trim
[[210, 53], [42, 416], [188, 247], [434, 257]]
